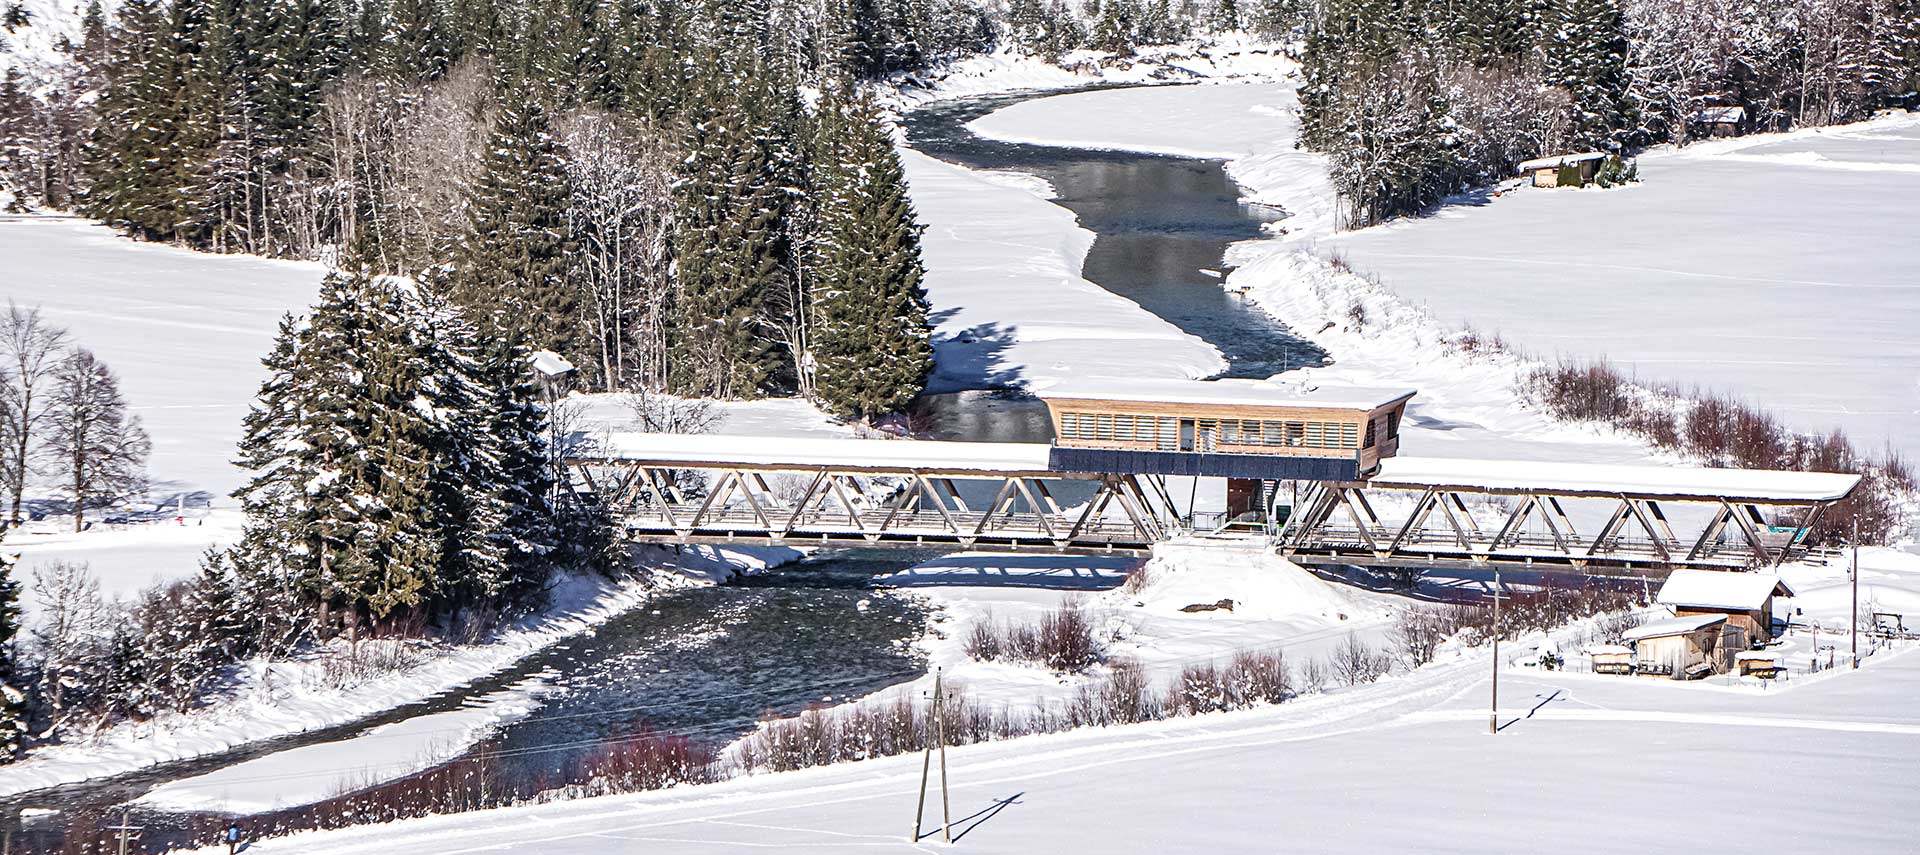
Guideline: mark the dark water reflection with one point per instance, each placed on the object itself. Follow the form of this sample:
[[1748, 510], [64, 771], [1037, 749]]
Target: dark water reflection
[[1162, 225]]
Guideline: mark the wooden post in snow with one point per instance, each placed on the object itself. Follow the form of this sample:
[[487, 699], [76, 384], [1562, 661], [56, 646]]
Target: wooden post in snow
[[1855, 576], [926, 767], [1493, 706]]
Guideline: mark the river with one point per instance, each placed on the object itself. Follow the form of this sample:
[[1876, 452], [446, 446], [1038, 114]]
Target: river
[[712, 660]]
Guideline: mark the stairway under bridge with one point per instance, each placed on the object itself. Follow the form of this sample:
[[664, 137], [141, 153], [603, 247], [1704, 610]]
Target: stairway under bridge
[[1409, 513]]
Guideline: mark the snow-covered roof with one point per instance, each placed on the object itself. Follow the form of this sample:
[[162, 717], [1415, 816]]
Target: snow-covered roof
[[1595, 479], [1607, 650], [1757, 656], [1230, 392], [1672, 626], [549, 363], [1558, 160], [807, 453], [1721, 114], [1711, 589]]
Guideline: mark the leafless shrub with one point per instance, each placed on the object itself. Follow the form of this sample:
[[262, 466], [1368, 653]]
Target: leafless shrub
[[1721, 431], [1357, 314], [1063, 640], [1355, 662], [1611, 628], [659, 413], [1418, 633], [1258, 678], [1315, 677], [1137, 581]]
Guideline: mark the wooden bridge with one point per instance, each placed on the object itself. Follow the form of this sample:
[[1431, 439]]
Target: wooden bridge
[[1411, 512]]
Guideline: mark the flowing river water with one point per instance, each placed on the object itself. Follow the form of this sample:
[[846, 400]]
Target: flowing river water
[[710, 661]]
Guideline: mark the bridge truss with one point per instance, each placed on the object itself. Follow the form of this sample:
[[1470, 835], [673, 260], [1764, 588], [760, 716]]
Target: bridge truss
[[793, 504], [1445, 513], [1338, 524]]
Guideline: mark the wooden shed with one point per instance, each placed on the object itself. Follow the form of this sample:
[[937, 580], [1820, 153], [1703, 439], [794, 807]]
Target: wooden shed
[[1682, 647], [1247, 429], [1610, 658], [1744, 599], [554, 372], [1564, 170], [1718, 121]]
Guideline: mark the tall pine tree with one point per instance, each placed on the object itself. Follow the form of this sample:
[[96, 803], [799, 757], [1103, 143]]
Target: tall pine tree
[[868, 316]]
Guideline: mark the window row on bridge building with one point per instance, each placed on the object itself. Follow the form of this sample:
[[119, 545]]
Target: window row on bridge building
[[1163, 433]]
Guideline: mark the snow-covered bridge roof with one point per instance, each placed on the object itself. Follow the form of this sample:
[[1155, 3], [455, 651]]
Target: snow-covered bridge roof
[[1227, 392], [1716, 589], [809, 453], [1678, 483]]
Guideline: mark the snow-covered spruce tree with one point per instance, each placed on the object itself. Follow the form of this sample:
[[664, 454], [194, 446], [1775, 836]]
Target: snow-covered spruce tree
[[1586, 55], [868, 307], [399, 465], [95, 447], [1114, 31], [508, 270], [129, 160], [13, 697], [732, 201], [341, 442]]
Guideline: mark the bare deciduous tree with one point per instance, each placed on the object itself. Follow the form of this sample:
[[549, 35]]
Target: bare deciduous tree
[[98, 448], [621, 211], [30, 350]]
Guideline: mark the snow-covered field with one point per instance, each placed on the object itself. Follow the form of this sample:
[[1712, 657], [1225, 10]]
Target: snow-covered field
[[1583, 763], [1782, 268], [1003, 277], [1276, 607]]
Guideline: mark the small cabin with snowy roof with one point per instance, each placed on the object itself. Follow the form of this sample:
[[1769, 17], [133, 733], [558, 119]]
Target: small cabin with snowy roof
[[1678, 647], [554, 372], [1564, 170], [1717, 121], [1744, 599]]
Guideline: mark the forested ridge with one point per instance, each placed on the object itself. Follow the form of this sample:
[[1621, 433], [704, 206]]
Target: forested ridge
[[322, 128]]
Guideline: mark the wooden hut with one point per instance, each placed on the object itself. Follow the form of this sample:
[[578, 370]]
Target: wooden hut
[[1564, 170], [1718, 121], [1683, 647], [554, 372], [1744, 599], [1610, 658]]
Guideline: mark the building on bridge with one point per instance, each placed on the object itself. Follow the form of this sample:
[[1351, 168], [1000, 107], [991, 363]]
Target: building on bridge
[[1251, 432]]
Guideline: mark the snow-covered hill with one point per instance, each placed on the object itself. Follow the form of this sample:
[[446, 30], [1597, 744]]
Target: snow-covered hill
[[35, 48]]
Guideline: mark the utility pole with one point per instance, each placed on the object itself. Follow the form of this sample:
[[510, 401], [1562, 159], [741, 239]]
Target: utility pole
[[125, 828], [1855, 576], [1493, 706], [926, 768]]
